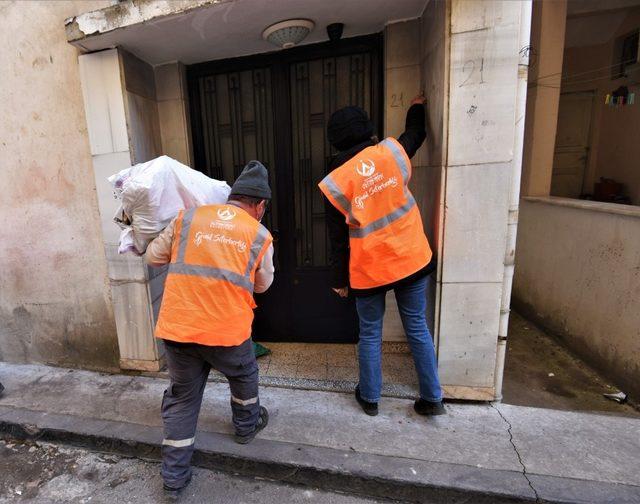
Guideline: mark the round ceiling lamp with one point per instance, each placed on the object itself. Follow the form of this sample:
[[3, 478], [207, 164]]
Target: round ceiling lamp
[[288, 33]]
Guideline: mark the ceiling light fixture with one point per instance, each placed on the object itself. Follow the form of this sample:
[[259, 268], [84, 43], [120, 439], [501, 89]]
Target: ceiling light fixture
[[289, 33]]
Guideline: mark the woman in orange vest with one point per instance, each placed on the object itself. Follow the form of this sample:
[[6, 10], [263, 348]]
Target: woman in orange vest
[[378, 244], [218, 256]]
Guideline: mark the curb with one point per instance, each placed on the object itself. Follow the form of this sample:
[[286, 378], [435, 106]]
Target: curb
[[363, 474]]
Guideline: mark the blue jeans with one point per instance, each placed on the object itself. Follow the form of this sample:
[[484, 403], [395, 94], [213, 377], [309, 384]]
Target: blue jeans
[[412, 304]]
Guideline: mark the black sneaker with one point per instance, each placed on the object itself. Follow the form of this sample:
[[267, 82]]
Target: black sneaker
[[173, 494], [429, 408], [263, 420], [370, 408]]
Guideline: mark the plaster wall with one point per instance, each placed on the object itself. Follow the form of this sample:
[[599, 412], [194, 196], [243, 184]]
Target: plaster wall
[[430, 159], [401, 84], [173, 109], [588, 66], [139, 90], [415, 61], [578, 275], [55, 303], [545, 74]]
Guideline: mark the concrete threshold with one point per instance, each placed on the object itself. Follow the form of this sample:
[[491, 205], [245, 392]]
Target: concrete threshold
[[477, 453], [397, 390]]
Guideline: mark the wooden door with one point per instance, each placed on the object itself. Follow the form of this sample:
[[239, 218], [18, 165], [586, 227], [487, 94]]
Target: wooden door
[[571, 153]]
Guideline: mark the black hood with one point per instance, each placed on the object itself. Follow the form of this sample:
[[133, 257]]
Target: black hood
[[349, 126]]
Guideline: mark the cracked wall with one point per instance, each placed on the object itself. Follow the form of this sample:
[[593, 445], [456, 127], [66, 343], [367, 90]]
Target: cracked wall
[[55, 305]]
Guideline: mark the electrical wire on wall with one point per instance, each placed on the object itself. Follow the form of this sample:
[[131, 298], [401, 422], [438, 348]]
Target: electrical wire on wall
[[608, 67]]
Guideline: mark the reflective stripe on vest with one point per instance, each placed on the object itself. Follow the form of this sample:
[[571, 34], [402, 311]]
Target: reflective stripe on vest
[[382, 222], [208, 272], [341, 199], [388, 243], [180, 268], [256, 248], [399, 158], [184, 233]]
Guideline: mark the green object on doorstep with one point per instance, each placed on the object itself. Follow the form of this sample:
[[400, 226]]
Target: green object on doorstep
[[260, 350]]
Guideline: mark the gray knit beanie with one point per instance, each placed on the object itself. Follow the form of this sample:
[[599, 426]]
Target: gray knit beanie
[[253, 181]]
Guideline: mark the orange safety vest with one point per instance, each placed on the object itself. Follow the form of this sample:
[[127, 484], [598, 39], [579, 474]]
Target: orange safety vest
[[386, 237], [208, 294]]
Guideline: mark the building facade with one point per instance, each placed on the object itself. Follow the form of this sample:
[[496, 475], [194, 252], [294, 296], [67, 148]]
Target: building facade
[[95, 87]]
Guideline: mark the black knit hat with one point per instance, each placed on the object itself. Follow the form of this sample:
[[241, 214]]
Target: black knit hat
[[253, 181], [349, 126]]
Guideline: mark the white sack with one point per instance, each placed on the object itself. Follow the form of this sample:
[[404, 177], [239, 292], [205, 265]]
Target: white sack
[[153, 193]]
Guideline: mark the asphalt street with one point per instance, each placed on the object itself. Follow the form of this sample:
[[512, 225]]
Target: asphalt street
[[52, 473]]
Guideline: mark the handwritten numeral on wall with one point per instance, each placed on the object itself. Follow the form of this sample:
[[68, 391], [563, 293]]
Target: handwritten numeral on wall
[[397, 100], [468, 71]]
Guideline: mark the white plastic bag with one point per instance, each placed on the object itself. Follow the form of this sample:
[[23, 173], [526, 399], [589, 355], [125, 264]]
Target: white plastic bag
[[153, 193]]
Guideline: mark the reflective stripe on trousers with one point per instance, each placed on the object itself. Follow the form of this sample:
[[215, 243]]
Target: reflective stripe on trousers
[[179, 443], [244, 402], [188, 369]]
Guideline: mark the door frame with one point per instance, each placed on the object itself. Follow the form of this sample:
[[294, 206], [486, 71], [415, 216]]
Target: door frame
[[280, 62], [337, 48]]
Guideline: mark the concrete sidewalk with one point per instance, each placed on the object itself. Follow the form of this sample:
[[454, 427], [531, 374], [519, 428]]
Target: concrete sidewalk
[[476, 453]]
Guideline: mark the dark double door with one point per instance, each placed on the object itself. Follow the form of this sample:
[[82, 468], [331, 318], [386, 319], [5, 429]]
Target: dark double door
[[275, 108]]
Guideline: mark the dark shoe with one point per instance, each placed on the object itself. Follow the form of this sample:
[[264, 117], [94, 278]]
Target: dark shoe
[[429, 408], [1, 388], [370, 408], [263, 420], [173, 494]]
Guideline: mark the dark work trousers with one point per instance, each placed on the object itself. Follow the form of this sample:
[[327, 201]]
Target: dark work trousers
[[189, 367]]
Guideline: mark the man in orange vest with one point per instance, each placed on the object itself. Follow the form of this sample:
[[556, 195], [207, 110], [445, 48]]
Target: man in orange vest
[[218, 256], [375, 228]]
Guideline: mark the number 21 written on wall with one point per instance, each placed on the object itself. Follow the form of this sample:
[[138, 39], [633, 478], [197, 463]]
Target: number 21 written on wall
[[469, 69], [397, 100]]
